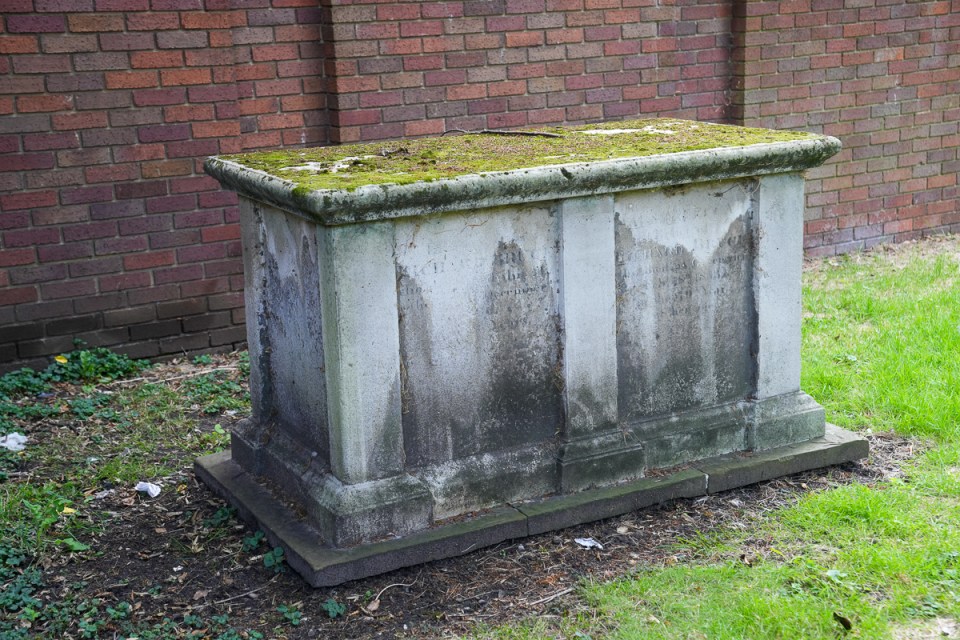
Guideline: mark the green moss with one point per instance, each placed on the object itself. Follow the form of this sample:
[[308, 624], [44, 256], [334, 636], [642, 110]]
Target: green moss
[[427, 159]]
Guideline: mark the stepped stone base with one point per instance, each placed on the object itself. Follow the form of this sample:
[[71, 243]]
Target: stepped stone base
[[323, 566]]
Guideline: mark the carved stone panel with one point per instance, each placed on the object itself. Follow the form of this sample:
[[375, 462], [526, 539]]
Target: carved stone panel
[[479, 332], [685, 311]]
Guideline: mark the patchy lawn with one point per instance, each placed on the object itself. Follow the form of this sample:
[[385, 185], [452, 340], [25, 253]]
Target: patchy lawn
[[873, 546]]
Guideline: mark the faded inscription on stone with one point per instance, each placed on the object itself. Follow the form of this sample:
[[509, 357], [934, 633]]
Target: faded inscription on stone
[[479, 333], [685, 310]]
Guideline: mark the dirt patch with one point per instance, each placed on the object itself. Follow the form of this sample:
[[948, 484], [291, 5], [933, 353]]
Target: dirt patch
[[936, 628], [178, 555], [897, 255]]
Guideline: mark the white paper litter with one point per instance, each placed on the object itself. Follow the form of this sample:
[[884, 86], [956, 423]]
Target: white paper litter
[[588, 543], [149, 488], [339, 165], [13, 442]]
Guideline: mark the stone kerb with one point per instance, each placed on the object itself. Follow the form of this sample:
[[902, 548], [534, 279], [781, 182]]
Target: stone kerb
[[432, 358]]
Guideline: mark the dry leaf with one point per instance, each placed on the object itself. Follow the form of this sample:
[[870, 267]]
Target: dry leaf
[[201, 594], [843, 620], [622, 530]]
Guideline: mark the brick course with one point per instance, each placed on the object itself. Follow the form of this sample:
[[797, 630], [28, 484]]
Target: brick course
[[109, 230], [107, 114], [884, 78], [583, 57]]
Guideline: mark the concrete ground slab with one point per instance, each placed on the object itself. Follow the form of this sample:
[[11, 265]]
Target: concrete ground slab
[[321, 565]]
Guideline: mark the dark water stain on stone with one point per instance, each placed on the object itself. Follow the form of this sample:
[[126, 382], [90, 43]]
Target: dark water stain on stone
[[521, 400], [684, 327], [294, 333], [426, 434], [734, 322], [659, 361]]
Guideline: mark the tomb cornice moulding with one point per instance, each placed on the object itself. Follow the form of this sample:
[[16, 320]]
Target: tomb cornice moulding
[[527, 185]]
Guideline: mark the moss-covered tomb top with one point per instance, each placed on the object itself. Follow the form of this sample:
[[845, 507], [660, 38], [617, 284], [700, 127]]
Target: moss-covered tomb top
[[350, 183]]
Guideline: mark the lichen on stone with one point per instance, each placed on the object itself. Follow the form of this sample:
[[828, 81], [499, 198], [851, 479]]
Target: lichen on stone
[[348, 167]]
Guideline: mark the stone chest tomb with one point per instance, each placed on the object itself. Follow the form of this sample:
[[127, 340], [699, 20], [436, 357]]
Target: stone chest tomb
[[460, 340]]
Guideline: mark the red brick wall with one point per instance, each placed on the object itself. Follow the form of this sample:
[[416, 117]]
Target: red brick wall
[[415, 68], [884, 77], [110, 232]]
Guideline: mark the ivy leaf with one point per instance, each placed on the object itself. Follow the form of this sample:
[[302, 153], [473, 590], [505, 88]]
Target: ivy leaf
[[74, 545]]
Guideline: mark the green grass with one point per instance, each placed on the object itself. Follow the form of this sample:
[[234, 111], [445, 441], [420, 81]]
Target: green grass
[[881, 351], [881, 343], [873, 555]]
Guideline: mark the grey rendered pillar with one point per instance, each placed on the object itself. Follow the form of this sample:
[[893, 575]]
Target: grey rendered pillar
[[362, 350], [593, 450], [367, 494], [783, 413], [778, 219]]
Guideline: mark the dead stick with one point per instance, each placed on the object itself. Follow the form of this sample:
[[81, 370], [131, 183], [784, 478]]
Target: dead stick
[[562, 592], [163, 380], [391, 586], [503, 132], [242, 595]]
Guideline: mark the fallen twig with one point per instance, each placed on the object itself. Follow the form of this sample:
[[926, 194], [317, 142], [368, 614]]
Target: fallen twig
[[562, 592], [242, 595], [504, 132], [163, 380], [391, 586]]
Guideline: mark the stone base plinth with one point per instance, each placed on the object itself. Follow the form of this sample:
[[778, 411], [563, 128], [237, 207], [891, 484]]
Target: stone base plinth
[[325, 566]]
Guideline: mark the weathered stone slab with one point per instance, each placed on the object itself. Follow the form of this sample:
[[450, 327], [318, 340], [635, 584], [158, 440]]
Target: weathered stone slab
[[684, 288], [597, 504], [281, 282], [678, 438], [431, 178], [834, 447], [480, 349], [322, 565]]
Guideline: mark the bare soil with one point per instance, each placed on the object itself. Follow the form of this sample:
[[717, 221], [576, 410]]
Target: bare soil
[[159, 555]]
